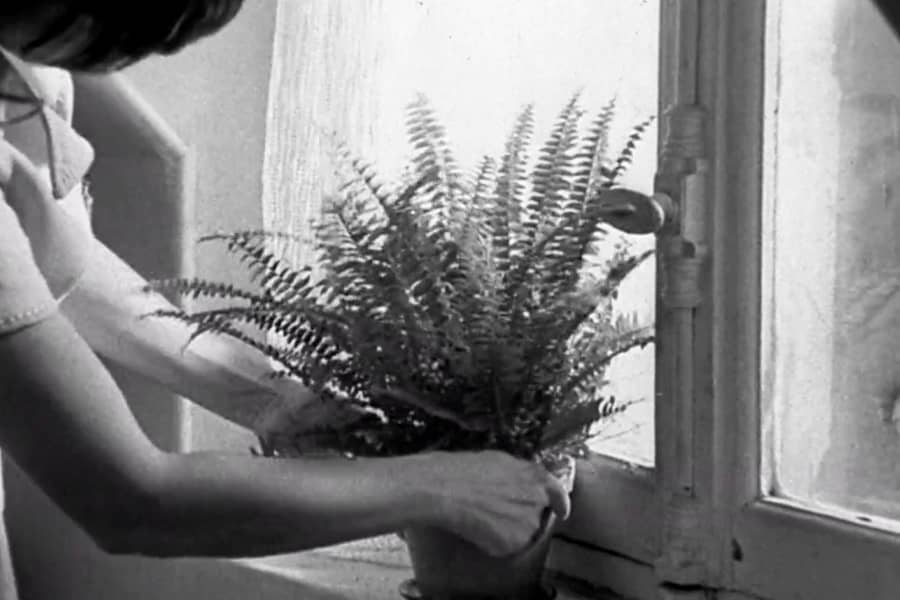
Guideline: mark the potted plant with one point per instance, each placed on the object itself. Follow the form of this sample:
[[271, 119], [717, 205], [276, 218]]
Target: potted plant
[[451, 313]]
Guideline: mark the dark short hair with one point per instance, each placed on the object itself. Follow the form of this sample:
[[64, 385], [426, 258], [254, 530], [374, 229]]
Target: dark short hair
[[122, 32], [891, 13]]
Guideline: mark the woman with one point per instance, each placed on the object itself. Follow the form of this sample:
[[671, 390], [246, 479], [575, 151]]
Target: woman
[[52, 272]]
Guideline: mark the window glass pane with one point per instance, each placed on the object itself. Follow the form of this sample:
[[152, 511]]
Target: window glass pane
[[832, 236]]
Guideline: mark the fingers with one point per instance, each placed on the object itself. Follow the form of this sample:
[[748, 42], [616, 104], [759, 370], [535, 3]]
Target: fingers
[[504, 504], [508, 539], [551, 498], [559, 498], [537, 537]]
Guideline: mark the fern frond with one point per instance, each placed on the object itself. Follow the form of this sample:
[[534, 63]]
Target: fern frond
[[432, 154], [279, 280], [551, 175], [584, 302], [594, 367], [222, 327], [195, 288], [552, 206], [626, 155], [571, 422], [513, 179], [592, 154], [592, 160]]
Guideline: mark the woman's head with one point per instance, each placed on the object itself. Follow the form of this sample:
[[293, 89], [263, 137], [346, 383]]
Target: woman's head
[[891, 12], [107, 34]]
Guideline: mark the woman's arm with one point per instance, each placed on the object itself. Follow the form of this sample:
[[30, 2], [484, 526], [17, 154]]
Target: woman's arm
[[109, 308], [111, 311], [63, 420]]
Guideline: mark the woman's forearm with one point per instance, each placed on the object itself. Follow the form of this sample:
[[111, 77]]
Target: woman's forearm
[[238, 507], [133, 498], [110, 309]]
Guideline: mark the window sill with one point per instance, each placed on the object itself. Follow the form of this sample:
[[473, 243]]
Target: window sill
[[362, 571], [615, 507]]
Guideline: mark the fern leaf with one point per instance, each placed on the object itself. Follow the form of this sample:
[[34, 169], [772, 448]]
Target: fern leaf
[[594, 368], [551, 206], [512, 183], [195, 288], [432, 153], [626, 155]]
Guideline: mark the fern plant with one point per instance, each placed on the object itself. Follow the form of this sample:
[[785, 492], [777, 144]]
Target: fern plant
[[460, 312]]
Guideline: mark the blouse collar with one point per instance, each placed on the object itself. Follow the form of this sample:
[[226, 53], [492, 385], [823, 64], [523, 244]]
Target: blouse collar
[[69, 155]]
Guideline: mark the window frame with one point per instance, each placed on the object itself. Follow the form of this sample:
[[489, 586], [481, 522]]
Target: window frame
[[631, 529], [742, 543]]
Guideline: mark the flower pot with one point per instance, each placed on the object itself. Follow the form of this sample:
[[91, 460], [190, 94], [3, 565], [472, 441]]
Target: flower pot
[[447, 567]]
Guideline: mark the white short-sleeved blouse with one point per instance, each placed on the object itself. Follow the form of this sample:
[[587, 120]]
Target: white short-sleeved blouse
[[44, 241]]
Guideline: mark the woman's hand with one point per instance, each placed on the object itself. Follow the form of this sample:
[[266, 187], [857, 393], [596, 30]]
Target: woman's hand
[[294, 409], [494, 500]]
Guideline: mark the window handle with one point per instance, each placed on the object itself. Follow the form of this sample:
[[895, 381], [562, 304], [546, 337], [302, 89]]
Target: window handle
[[634, 212]]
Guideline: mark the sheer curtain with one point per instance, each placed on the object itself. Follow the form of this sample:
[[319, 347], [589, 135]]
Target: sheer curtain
[[327, 75]]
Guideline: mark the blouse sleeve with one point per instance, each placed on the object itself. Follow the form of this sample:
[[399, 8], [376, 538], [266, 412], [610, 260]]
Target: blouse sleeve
[[45, 244], [25, 297]]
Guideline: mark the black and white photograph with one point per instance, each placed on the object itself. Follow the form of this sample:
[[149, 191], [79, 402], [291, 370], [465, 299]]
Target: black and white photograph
[[450, 299]]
